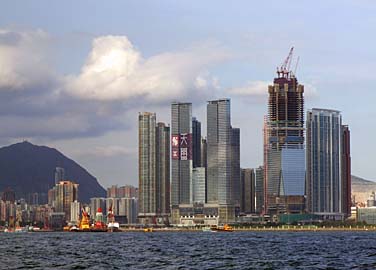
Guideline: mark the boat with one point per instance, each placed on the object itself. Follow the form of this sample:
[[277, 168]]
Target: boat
[[84, 225], [225, 228], [99, 225], [148, 229], [112, 225], [16, 230], [207, 229], [74, 228]]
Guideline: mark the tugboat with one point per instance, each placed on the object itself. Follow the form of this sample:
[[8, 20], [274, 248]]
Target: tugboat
[[225, 228], [112, 226], [84, 225], [99, 225]]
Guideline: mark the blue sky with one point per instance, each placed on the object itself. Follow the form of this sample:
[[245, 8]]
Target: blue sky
[[51, 51]]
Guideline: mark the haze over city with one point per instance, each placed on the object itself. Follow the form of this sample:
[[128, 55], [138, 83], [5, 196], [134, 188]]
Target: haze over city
[[99, 64]]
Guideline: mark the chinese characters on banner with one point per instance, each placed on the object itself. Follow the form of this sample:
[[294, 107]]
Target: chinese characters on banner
[[175, 147], [181, 147]]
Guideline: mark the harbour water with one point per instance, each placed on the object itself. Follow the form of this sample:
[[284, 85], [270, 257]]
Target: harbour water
[[188, 250]]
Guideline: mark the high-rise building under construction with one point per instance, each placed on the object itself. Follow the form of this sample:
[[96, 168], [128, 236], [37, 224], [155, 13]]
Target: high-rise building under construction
[[284, 153]]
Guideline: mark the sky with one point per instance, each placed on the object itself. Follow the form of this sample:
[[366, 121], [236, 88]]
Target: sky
[[75, 74]]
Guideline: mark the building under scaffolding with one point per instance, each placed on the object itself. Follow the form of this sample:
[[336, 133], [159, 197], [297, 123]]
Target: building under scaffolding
[[284, 153]]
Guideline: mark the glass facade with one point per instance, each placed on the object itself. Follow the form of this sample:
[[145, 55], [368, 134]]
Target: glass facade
[[223, 156], [196, 143], [147, 164], [284, 152], [163, 168], [181, 153], [326, 177], [247, 205], [259, 189], [219, 152], [199, 185], [235, 166]]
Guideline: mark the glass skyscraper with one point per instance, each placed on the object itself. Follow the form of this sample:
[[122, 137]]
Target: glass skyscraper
[[328, 163], [59, 175], [199, 190], [147, 166], [181, 153], [196, 143], [219, 152], [284, 153], [259, 189], [154, 168], [247, 205], [235, 166], [223, 164], [163, 168]]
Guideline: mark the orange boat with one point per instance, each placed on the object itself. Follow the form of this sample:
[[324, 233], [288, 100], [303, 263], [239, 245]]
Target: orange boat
[[225, 228], [84, 225]]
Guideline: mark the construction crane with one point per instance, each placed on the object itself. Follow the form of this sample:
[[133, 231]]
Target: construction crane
[[296, 66], [284, 70]]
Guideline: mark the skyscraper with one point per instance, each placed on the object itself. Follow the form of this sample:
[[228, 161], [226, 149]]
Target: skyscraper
[[346, 171], [154, 168], [284, 144], [196, 143], [204, 160], [222, 150], [147, 167], [247, 191], [235, 166], [259, 190], [218, 143], [163, 168], [328, 163], [59, 175], [204, 163], [66, 192], [181, 154], [198, 180]]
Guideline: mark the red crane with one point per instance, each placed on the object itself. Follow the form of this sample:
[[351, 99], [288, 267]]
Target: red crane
[[284, 70]]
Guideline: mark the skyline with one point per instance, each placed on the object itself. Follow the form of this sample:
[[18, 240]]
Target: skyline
[[200, 55]]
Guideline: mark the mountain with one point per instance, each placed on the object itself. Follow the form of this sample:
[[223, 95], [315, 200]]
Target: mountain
[[361, 188], [27, 168]]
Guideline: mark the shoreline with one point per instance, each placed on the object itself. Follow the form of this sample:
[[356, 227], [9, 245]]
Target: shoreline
[[241, 229]]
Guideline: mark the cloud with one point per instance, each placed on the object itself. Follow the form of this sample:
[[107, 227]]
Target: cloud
[[115, 70], [107, 151], [251, 89], [258, 91], [23, 60], [37, 101]]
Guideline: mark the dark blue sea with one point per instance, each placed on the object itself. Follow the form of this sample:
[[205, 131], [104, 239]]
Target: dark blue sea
[[180, 250]]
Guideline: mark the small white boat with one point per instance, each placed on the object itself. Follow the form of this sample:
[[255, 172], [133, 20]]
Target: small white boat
[[206, 229], [113, 226]]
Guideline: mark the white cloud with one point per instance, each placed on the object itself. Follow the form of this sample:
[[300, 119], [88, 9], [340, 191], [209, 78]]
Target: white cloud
[[251, 89], [36, 101], [310, 90], [23, 59], [259, 90], [116, 70]]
